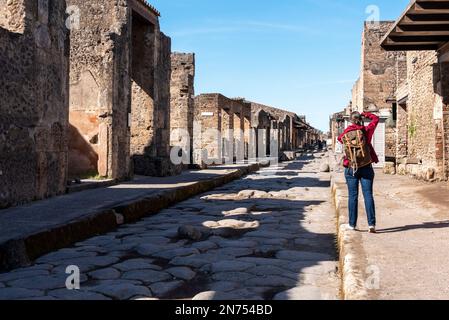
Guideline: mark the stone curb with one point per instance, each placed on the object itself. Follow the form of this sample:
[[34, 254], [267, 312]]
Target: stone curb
[[21, 252], [352, 257]]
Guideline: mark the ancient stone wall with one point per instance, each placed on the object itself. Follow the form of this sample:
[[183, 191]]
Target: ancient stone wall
[[100, 89], [182, 103], [34, 100]]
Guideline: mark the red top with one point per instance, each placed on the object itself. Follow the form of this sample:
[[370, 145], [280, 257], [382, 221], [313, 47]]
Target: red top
[[369, 131]]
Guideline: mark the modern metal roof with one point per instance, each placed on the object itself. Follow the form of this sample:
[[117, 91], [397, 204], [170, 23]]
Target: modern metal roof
[[424, 25]]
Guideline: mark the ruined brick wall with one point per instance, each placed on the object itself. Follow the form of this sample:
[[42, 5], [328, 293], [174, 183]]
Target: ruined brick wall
[[34, 100], [182, 94], [100, 89], [423, 114]]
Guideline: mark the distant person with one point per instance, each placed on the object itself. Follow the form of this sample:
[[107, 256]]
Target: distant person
[[358, 160]]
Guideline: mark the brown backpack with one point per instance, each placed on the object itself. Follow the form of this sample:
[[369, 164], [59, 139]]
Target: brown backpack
[[357, 149]]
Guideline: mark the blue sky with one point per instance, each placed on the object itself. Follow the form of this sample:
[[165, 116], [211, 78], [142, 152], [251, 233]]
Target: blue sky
[[299, 55]]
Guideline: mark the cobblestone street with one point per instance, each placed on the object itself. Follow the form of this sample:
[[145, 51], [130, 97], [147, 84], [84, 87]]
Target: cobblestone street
[[269, 235]]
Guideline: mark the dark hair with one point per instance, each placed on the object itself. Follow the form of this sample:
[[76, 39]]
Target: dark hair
[[356, 117]]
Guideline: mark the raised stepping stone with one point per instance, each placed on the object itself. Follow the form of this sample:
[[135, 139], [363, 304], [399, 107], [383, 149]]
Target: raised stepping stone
[[19, 293], [147, 276], [170, 254], [136, 264], [271, 281], [162, 289], [105, 274], [236, 212], [238, 224], [303, 256], [65, 294], [123, 291], [300, 293], [182, 273]]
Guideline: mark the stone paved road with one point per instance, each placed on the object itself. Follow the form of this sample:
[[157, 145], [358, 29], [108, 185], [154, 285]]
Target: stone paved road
[[267, 236]]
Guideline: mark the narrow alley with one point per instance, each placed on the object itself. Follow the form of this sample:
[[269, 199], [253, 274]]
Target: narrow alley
[[269, 235]]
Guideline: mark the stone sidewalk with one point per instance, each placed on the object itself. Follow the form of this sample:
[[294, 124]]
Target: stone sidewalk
[[408, 257], [269, 235], [28, 231]]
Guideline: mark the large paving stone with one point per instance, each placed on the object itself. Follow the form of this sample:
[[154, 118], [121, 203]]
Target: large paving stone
[[322, 268], [40, 282], [270, 235], [64, 294], [105, 274], [6, 277], [300, 293], [181, 252], [162, 289], [147, 276], [303, 256], [122, 291], [19, 293], [195, 261], [211, 296], [149, 249], [182, 273], [232, 276], [97, 261], [136, 264], [204, 245], [230, 265], [223, 286], [271, 281], [233, 252], [237, 243], [140, 240], [65, 254], [264, 261], [272, 271]]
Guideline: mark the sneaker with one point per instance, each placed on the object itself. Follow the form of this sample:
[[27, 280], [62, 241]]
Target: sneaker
[[372, 229], [351, 228]]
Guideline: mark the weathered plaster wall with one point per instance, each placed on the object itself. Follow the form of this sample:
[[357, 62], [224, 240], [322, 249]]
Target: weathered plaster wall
[[34, 100]]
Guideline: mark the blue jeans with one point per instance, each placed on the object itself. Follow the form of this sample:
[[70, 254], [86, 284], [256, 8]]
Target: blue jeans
[[364, 176]]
